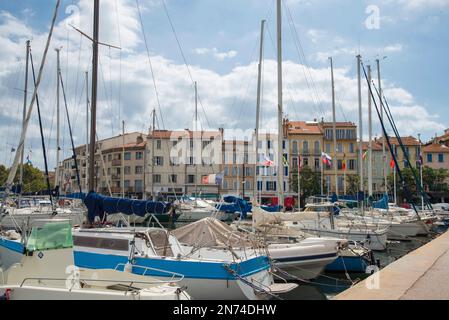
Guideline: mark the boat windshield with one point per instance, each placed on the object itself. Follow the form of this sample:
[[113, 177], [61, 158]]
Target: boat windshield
[[50, 236]]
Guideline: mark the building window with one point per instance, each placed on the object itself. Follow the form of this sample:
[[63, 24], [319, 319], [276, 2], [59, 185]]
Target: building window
[[294, 162], [226, 171], [317, 147], [429, 157], [248, 171], [225, 184], [440, 158], [190, 178], [306, 162], [340, 147], [159, 161], [127, 155], [340, 164], [351, 147], [127, 184], [156, 178], [317, 164], [305, 146], [109, 157], [352, 164], [127, 170], [271, 185], [328, 148], [139, 155], [139, 170], [259, 185], [138, 185], [295, 147], [158, 144], [173, 178]]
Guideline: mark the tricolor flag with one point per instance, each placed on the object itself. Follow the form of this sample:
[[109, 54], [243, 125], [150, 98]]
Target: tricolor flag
[[212, 179], [327, 159], [364, 155], [267, 161]]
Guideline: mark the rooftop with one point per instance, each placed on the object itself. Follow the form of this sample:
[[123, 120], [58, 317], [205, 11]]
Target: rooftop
[[303, 127]]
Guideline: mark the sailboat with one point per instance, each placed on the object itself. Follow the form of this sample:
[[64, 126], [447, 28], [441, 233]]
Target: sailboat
[[44, 269]]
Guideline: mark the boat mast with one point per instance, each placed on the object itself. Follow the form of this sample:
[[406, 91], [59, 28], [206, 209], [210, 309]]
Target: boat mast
[[421, 170], [152, 154], [25, 92], [194, 137], [93, 122], [359, 82], [280, 171], [381, 104], [334, 126], [58, 116], [87, 133], [259, 93], [370, 138], [123, 159]]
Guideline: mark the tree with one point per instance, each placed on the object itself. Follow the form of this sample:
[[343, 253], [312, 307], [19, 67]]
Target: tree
[[310, 182], [353, 184], [3, 175]]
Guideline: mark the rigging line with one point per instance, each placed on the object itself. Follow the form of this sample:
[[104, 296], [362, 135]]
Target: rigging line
[[183, 57], [70, 132], [107, 97], [301, 50], [120, 62], [150, 63], [47, 178], [78, 68]]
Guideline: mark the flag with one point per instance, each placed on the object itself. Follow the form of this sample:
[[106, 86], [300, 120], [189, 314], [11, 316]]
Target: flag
[[420, 159], [205, 180], [392, 164], [327, 159], [284, 161], [343, 163], [267, 162], [364, 155], [219, 178]]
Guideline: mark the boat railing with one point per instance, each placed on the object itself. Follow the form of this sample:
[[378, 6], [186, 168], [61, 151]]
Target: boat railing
[[146, 269], [85, 280]]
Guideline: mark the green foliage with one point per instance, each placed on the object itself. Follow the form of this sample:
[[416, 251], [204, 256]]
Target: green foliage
[[434, 180], [353, 184], [3, 175], [33, 178], [310, 182]]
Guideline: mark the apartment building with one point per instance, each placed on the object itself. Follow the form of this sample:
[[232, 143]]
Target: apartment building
[[345, 151], [177, 162], [119, 167]]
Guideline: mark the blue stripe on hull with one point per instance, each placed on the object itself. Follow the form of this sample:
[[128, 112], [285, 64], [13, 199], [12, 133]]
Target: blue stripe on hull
[[190, 269], [315, 257], [351, 264], [12, 245]]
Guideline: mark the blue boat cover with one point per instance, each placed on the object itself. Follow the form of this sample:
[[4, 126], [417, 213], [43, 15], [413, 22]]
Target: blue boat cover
[[382, 203], [271, 208], [233, 204], [98, 205]]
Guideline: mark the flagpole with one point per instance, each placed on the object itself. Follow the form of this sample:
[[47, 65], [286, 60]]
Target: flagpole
[[421, 170], [394, 186], [299, 183]]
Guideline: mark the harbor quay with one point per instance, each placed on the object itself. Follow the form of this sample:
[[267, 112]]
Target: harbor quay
[[422, 274]]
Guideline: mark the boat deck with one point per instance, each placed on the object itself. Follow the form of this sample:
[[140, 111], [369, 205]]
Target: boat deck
[[421, 274]]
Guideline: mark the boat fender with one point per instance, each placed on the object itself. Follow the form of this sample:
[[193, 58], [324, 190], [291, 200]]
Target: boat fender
[[128, 267]]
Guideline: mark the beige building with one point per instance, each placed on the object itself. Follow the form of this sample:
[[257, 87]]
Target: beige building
[[177, 161], [345, 151], [436, 156], [120, 168]]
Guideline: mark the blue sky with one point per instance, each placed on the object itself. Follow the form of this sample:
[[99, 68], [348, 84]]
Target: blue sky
[[219, 40]]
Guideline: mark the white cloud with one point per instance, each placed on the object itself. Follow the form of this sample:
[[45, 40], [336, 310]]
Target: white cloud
[[220, 56]]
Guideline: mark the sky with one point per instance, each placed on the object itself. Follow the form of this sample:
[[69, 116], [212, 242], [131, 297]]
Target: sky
[[215, 43]]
